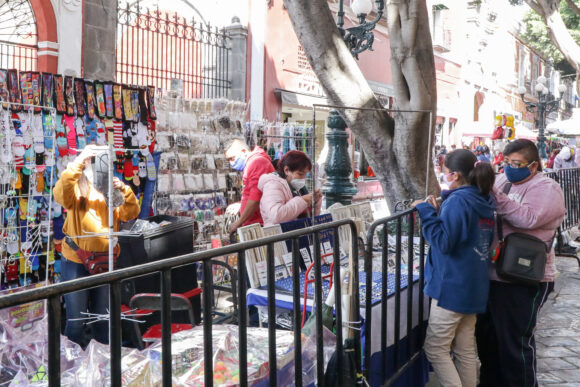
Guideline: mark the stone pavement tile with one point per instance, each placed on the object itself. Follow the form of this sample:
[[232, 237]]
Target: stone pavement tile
[[557, 332], [573, 360], [553, 364], [556, 319], [565, 385], [548, 378], [556, 352], [575, 349], [553, 341], [568, 376]]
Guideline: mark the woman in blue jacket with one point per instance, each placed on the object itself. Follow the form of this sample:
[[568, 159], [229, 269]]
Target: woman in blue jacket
[[456, 277]]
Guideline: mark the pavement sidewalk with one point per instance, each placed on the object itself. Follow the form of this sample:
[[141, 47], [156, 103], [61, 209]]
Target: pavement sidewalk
[[558, 329]]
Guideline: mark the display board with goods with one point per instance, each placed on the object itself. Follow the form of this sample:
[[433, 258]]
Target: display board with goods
[[45, 121]]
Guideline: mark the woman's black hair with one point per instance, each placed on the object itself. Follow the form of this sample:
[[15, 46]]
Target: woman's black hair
[[527, 148], [295, 161], [477, 173]]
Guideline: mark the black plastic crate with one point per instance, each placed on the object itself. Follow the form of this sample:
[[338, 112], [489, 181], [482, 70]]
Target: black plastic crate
[[167, 241]]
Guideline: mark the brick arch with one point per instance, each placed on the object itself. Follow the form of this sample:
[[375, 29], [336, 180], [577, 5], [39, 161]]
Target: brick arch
[[47, 35]]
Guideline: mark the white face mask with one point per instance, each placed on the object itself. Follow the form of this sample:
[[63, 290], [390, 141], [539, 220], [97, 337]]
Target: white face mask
[[447, 179], [298, 184]]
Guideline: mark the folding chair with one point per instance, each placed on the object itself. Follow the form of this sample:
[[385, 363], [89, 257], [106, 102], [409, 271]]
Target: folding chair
[[150, 302]]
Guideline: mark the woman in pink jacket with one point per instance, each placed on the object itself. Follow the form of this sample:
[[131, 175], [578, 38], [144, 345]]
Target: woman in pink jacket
[[284, 195]]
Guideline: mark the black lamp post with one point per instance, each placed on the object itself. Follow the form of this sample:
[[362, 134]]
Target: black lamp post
[[359, 38], [545, 105]]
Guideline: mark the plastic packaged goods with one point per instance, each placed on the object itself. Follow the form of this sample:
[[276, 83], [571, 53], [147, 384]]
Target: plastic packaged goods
[[23, 358]]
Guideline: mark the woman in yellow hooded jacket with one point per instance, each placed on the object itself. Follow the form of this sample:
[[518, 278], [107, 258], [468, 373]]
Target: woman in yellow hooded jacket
[[87, 212]]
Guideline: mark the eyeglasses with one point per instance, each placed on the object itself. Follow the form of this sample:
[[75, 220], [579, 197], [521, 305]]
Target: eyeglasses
[[517, 164]]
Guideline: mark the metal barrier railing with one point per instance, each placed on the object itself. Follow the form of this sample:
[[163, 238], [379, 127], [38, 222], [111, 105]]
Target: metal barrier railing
[[399, 226], [569, 180], [113, 279]]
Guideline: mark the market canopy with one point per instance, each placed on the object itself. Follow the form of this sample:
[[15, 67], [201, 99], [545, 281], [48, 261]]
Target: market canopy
[[570, 127]]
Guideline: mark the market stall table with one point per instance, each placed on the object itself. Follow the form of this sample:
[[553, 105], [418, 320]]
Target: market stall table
[[417, 375]]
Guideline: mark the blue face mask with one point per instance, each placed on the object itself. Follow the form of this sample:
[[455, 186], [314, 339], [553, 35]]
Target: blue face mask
[[515, 175], [239, 163]]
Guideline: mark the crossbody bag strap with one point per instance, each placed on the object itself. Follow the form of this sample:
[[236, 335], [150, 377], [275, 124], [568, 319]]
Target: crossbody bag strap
[[506, 189]]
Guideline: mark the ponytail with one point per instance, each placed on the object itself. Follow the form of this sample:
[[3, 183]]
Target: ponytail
[[482, 176], [476, 173]]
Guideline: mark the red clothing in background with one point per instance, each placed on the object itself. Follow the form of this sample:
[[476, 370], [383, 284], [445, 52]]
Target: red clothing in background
[[258, 163]]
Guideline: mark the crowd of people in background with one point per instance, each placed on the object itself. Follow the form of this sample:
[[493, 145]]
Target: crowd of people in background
[[560, 156]]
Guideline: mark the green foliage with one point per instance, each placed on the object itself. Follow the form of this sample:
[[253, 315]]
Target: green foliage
[[536, 35]]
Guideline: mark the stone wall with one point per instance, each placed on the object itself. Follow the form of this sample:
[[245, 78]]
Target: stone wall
[[237, 62], [99, 39]]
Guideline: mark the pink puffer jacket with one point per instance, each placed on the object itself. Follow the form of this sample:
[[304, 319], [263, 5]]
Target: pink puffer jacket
[[277, 204]]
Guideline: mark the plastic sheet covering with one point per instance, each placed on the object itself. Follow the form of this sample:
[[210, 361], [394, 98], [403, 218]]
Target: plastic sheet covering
[[24, 352], [23, 358]]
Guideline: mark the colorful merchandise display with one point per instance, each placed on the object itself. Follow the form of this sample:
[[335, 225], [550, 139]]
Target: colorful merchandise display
[[90, 367], [195, 179], [45, 121]]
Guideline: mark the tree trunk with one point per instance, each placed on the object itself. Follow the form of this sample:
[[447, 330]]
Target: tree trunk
[[549, 10], [397, 148]]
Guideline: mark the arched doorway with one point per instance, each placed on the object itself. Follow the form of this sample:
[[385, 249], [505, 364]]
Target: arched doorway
[[28, 37]]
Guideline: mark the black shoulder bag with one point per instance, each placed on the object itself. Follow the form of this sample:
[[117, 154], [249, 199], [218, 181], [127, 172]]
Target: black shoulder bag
[[522, 257]]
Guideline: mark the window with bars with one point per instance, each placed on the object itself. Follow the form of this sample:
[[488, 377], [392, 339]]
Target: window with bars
[[18, 36]]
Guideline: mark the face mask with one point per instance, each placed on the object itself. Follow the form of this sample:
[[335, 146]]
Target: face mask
[[515, 175], [239, 163], [298, 184], [447, 180]]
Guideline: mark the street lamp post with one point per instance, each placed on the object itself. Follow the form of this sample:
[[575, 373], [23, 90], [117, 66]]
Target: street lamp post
[[359, 38], [546, 104]]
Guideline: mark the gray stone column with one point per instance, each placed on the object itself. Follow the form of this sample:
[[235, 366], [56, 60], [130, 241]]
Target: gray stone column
[[99, 40], [237, 61]]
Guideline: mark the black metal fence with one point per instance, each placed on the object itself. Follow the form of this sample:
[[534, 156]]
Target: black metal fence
[[155, 46], [113, 279], [402, 245], [569, 180]]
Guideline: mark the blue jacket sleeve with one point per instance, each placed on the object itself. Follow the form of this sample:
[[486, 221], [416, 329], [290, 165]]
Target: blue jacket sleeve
[[446, 230]]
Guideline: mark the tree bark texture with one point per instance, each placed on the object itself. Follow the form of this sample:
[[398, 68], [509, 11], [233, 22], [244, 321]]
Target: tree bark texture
[[396, 147], [549, 10]]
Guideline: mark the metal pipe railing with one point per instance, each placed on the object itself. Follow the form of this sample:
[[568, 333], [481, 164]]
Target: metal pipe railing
[[113, 279]]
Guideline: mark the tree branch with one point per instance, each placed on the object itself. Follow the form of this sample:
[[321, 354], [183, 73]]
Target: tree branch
[[574, 7], [536, 7]]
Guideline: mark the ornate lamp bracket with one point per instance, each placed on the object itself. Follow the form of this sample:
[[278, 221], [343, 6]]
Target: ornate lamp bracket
[[360, 38]]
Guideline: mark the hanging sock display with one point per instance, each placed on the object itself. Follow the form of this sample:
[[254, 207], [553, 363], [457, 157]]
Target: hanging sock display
[[109, 100], [143, 113], [79, 90], [59, 94], [151, 102], [71, 134], [135, 105], [117, 102], [90, 93], [69, 95], [26, 87], [36, 90], [61, 138], [47, 91], [127, 105], [4, 95], [80, 129], [100, 100], [14, 89]]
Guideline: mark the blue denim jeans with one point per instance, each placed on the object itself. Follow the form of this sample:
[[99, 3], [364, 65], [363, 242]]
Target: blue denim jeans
[[95, 300]]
